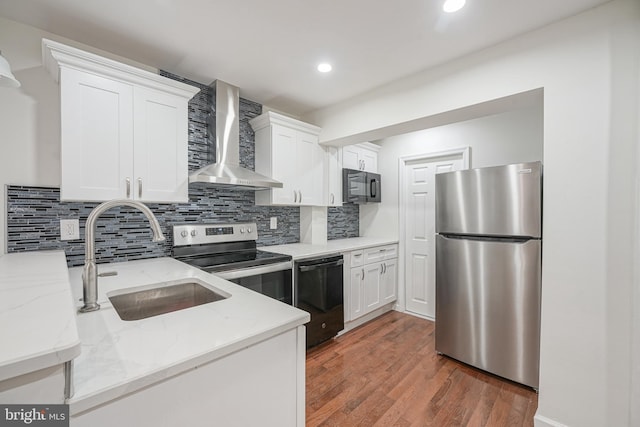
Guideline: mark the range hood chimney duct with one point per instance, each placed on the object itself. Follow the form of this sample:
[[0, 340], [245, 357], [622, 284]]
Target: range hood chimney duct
[[226, 171]]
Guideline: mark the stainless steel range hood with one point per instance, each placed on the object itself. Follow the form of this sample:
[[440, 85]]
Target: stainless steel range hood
[[226, 171]]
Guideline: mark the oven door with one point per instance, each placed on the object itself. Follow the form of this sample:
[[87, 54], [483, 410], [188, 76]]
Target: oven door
[[272, 280]]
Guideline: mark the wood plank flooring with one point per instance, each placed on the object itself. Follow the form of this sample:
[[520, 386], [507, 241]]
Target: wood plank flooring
[[387, 373]]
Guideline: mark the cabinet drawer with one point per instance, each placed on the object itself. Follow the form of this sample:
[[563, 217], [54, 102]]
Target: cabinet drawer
[[380, 253], [357, 258], [391, 252]]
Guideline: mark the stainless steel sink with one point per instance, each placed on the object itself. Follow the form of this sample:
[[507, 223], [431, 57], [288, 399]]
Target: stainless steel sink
[[163, 299]]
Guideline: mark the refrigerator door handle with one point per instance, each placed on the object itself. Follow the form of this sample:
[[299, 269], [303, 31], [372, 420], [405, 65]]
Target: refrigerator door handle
[[506, 239]]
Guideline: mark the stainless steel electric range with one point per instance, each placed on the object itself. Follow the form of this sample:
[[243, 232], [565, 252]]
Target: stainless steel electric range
[[229, 251]]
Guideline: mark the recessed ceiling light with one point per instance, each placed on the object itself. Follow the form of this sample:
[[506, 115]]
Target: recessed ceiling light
[[324, 67], [451, 6]]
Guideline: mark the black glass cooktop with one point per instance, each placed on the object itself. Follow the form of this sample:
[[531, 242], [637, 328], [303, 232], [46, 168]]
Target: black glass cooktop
[[234, 260]]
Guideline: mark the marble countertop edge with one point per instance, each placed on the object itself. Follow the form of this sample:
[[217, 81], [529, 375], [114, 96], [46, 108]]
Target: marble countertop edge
[[43, 360], [78, 405]]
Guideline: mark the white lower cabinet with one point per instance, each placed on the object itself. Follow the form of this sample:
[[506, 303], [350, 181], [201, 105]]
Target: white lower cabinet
[[355, 294], [372, 281], [389, 284], [260, 385], [372, 273], [44, 385]]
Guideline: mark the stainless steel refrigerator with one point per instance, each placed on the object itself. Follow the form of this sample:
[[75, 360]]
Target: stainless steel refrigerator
[[488, 268]]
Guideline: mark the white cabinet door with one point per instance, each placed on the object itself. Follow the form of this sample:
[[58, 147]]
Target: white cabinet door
[[334, 176], [356, 308], [360, 157], [288, 151], [389, 281], [97, 136], [284, 159], [160, 149], [309, 170], [372, 281], [369, 160], [351, 157]]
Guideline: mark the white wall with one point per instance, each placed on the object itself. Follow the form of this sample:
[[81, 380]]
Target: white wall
[[511, 137], [29, 123], [30, 115], [588, 68]]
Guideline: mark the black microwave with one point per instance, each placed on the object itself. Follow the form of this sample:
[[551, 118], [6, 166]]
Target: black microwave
[[360, 187]]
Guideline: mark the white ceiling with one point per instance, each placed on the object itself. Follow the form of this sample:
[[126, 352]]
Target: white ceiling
[[270, 48]]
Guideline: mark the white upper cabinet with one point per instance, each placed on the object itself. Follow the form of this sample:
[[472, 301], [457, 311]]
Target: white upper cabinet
[[333, 169], [124, 131], [362, 157], [287, 150]]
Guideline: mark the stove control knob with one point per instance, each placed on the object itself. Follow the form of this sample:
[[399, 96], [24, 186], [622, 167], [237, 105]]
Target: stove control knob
[[242, 230], [249, 230], [194, 233], [184, 233]]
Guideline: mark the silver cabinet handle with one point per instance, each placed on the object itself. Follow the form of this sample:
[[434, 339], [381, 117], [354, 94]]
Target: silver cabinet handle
[[363, 274], [381, 269], [332, 198], [385, 267], [300, 196], [295, 196], [128, 181], [140, 188]]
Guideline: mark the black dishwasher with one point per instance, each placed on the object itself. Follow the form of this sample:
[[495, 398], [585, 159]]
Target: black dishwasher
[[319, 291]]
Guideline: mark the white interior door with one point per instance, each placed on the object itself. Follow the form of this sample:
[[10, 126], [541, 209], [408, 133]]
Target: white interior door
[[419, 222]]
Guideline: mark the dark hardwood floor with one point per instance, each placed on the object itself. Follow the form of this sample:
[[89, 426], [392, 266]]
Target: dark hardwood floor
[[387, 373]]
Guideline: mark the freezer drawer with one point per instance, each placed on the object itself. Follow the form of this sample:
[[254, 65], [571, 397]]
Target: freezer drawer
[[488, 305], [495, 201]]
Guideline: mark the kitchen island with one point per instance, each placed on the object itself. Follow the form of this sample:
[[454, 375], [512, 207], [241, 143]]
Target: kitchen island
[[234, 362], [237, 361]]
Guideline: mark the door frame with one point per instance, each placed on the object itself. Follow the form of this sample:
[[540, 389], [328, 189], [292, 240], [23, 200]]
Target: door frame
[[465, 153], [634, 394]]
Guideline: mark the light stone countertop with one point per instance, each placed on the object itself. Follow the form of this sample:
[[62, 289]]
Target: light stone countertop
[[306, 250], [37, 315], [119, 357]]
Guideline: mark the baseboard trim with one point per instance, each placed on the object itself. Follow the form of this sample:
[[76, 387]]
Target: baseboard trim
[[541, 421], [348, 326], [421, 316]]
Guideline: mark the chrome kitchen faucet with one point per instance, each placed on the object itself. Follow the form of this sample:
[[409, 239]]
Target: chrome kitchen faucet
[[90, 272]]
